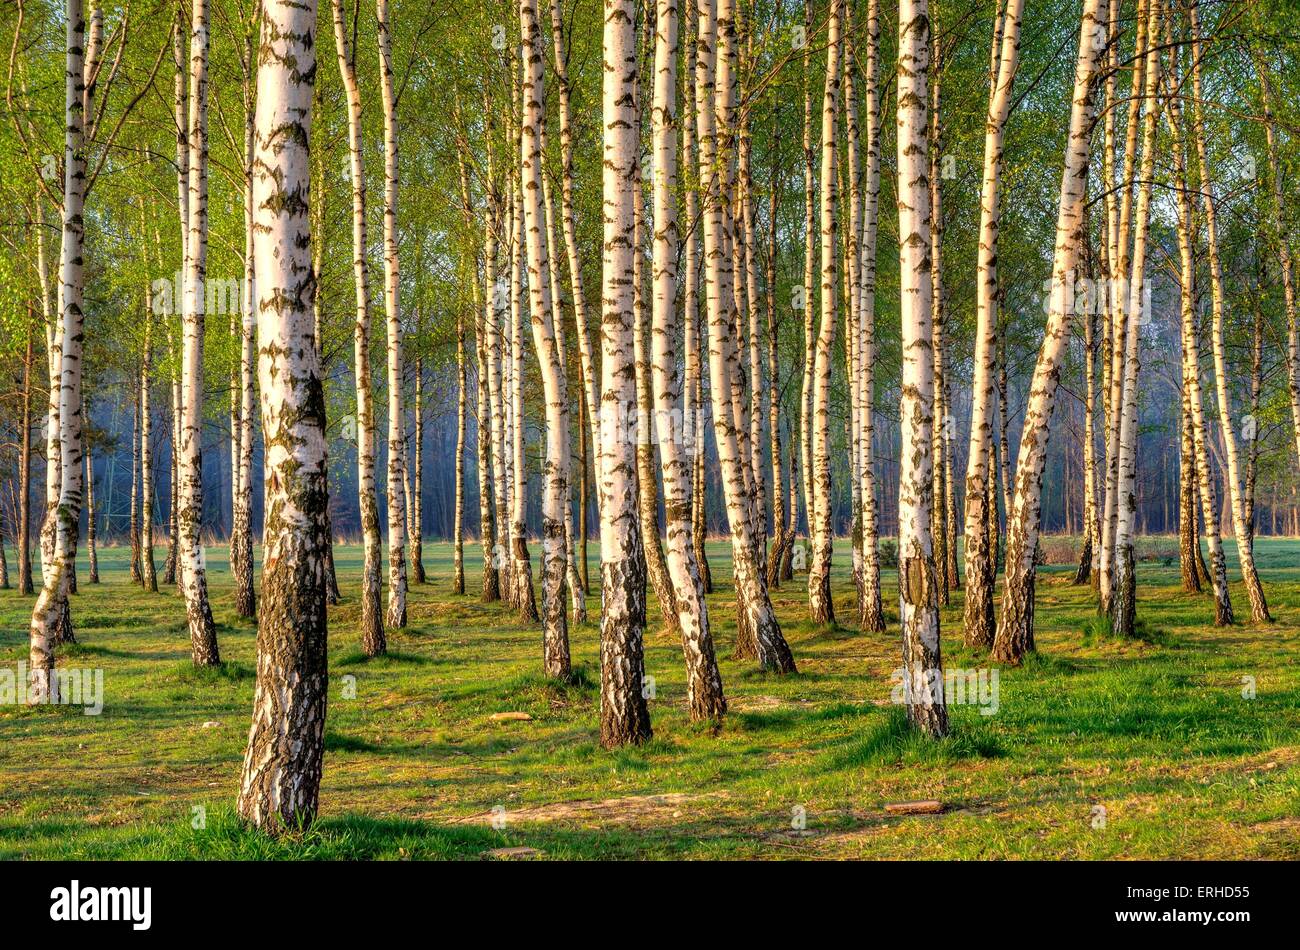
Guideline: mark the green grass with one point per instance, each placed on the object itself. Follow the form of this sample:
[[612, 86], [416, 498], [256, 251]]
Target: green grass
[[1154, 729]]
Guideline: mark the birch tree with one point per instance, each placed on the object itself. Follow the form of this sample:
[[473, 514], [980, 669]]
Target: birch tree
[[397, 579], [191, 560], [981, 562], [820, 605], [714, 91], [280, 784], [918, 582], [703, 682], [373, 640], [624, 717], [871, 614], [52, 599], [555, 502], [1015, 632]]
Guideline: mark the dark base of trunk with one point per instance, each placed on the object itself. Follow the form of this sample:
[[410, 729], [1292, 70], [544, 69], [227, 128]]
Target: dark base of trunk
[[746, 646], [821, 609], [1015, 633], [525, 597], [417, 566], [1124, 597], [1083, 573], [978, 618], [706, 575], [62, 623], [373, 640], [491, 583], [624, 715]]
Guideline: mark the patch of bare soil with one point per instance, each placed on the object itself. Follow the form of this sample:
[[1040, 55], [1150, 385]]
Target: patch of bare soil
[[632, 810]]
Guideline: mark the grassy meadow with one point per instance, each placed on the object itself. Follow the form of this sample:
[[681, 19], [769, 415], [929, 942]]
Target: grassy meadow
[[1099, 748]]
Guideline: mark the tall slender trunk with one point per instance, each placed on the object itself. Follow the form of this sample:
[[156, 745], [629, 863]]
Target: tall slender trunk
[[647, 472], [555, 500], [417, 467], [133, 522], [981, 517], [318, 213], [1120, 259], [715, 91], [1280, 235], [809, 270], [1195, 440], [918, 603], [1218, 304], [820, 605], [491, 590], [703, 682], [1088, 551], [149, 570], [853, 298], [25, 586], [938, 310], [1015, 632], [241, 543], [191, 558], [280, 784], [624, 717], [373, 640], [392, 281], [92, 551], [62, 517], [1123, 605], [870, 613]]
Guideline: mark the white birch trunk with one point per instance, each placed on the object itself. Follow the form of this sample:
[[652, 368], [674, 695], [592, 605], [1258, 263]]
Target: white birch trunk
[[1015, 633], [279, 788], [397, 579]]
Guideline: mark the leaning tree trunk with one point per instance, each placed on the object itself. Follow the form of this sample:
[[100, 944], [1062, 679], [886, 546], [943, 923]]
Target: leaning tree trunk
[[1195, 439], [280, 785], [392, 281], [555, 500], [624, 717], [704, 695], [820, 605], [1245, 550], [1015, 632], [714, 106], [373, 641], [918, 592], [981, 560], [191, 559]]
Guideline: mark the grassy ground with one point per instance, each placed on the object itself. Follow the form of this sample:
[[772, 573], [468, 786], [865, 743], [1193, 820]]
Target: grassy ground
[[1157, 732]]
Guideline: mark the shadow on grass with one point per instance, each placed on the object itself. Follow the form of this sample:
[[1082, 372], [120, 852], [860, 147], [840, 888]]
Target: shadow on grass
[[227, 671], [391, 658], [896, 742]]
